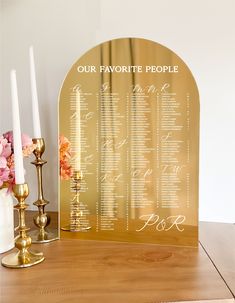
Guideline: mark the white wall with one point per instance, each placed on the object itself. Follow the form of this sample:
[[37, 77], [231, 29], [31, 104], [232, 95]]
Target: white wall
[[200, 32]]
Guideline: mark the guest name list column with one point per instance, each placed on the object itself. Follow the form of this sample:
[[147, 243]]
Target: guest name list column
[[141, 152], [85, 149], [173, 171], [110, 159]]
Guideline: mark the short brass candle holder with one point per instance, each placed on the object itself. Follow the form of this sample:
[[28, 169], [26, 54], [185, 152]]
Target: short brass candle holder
[[24, 257], [42, 219], [76, 214]]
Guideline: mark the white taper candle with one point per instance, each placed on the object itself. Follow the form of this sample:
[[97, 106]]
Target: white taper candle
[[36, 117], [18, 155]]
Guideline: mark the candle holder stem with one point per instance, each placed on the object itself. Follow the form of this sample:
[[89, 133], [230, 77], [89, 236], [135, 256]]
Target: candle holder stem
[[24, 257], [42, 219], [76, 213]]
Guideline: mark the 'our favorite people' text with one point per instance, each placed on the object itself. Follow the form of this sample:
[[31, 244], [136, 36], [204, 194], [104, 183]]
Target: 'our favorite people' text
[[128, 69]]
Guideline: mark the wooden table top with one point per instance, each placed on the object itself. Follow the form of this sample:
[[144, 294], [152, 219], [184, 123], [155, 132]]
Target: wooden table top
[[218, 239], [92, 271]]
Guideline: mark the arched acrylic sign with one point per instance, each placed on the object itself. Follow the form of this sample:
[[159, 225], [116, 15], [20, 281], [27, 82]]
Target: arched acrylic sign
[[130, 109]]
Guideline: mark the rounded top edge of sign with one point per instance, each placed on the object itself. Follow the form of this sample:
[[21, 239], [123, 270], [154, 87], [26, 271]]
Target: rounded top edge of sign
[[132, 38]]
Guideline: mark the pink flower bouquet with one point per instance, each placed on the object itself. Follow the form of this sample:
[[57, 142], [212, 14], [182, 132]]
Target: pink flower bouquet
[[65, 155], [7, 172]]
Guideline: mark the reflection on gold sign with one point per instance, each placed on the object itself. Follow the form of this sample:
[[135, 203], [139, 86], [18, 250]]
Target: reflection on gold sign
[[130, 108]]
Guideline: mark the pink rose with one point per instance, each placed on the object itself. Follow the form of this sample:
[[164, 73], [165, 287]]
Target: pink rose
[[4, 175], [5, 148], [26, 140], [7, 173], [3, 162], [9, 136]]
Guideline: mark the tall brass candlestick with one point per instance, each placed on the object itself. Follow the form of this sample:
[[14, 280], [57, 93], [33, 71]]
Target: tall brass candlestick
[[42, 219], [24, 257], [76, 213]]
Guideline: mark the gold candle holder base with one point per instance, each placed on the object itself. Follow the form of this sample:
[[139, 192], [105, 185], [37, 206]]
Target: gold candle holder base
[[16, 260], [45, 237], [24, 257], [42, 219], [76, 213], [72, 229]]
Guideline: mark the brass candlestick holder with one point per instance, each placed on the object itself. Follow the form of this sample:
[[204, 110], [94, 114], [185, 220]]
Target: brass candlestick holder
[[24, 257], [76, 213], [42, 219]]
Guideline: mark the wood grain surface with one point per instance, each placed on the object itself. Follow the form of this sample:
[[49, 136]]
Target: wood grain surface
[[218, 239], [78, 271]]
